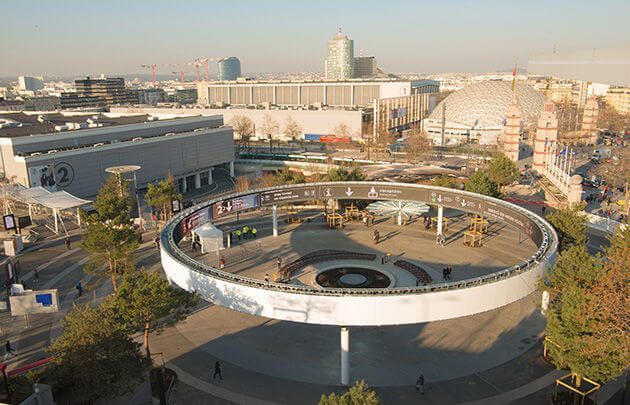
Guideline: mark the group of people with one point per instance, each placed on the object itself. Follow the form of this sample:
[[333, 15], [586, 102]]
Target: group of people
[[368, 220], [426, 221], [246, 233], [446, 273], [440, 239]]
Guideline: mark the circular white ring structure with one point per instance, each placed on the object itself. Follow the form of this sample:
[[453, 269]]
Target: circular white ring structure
[[357, 306]]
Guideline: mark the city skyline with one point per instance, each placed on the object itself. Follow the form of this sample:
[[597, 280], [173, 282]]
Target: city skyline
[[53, 39]]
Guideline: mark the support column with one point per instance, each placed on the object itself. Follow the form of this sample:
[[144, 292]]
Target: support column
[[210, 176], [79, 216], [232, 168], [345, 356], [184, 185], [399, 213], [56, 220], [197, 180], [274, 211], [440, 219]]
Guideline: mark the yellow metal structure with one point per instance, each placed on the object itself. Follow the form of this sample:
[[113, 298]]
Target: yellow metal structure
[[586, 388], [472, 238], [334, 220]]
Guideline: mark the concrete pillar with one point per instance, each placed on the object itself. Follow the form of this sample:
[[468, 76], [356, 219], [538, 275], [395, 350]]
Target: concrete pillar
[[440, 219], [544, 306], [399, 213], [184, 185], [79, 216], [345, 356], [197, 180], [575, 190], [56, 220], [232, 168], [274, 211], [210, 176], [546, 137]]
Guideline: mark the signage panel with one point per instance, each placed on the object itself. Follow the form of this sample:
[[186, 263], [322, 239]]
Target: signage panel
[[236, 204], [295, 194]]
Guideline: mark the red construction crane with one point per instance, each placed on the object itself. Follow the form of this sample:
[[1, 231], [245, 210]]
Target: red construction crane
[[153, 68], [204, 62], [182, 76]]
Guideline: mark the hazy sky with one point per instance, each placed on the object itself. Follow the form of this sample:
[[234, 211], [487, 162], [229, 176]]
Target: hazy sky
[[78, 37]]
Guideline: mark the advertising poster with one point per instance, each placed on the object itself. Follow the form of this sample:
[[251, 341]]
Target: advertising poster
[[42, 176], [234, 205]]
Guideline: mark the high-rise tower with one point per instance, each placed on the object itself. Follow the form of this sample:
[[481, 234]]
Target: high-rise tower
[[340, 60], [229, 69]]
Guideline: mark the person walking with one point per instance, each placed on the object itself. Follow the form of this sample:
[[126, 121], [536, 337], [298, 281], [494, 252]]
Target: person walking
[[79, 288], [254, 232], [279, 262], [365, 221], [376, 235], [245, 231], [238, 234], [156, 240], [445, 273], [68, 246], [266, 277], [222, 263], [9, 350], [36, 276], [420, 384], [217, 371]]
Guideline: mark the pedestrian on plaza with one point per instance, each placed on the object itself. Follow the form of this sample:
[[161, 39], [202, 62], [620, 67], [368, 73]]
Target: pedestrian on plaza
[[156, 240], [266, 277], [238, 234], [9, 350], [445, 273], [544, 209], [245, 231], [376, 237], [279, 262], [217, 371], [450, 270], [79, 288], [420, 384], [194, 245], [254, 232], [365, 221], [36, 276], [68, 243], [222, 263]]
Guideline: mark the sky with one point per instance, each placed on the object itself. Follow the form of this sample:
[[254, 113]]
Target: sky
[[83, 37]]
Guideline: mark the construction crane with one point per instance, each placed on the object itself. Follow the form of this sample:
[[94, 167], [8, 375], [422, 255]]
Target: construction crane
[[197, 63], [153, 68], [182, 76]]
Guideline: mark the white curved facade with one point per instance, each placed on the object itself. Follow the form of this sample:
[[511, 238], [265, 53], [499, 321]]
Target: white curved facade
[[359, 307]]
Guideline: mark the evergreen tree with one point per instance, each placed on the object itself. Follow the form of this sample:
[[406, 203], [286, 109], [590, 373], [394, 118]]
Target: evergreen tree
[[480, 183], [162, 194], [589, 318], [343, 174], [444, 181], [146, 302], [110, 237], [570, 224], [502, 170], [287, 176], [359, 394], [95, 359]]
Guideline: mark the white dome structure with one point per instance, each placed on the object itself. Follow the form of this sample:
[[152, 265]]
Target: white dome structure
[[478, 112]]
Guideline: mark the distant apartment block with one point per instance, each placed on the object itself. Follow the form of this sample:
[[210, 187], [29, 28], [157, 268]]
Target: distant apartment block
[[365, 67], [619, 99], [31, 83], [340, 60]]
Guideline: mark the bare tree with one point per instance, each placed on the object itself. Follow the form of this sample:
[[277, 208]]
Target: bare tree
[[242, 183], [243, 126], [292, 129], [417, 146], [269, 128], [342, 130]]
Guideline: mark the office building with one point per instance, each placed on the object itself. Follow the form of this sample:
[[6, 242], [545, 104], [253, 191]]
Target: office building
[[31, 83], [340, 60], [72, 101], [152, 96], [71, 152], [619, 99], [229, 69], [111, 90], [365, 67], [184, 96]]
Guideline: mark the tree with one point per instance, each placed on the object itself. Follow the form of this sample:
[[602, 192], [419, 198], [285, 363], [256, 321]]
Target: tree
[[588, 317], [480, 183], [94, 358], [444, 181], [342, 130], [342, 174], [292, 129], [502, 170], [570, 224], [286, 176], [242, 183], [148, 303], [269, 128], [417, 146], [110, 236], [162, 194], [359, 394], [243, 126]]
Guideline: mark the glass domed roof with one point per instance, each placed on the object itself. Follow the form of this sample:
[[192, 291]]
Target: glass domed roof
[[485, 104]]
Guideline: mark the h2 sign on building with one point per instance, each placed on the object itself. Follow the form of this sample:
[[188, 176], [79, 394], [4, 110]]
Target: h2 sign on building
[[52, 176]]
